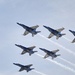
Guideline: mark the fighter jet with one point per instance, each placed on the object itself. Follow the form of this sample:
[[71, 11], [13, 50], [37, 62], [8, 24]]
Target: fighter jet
[[24, 67], [73, 32], [31, 30], [57, 32], [50, 53], [27, 49]]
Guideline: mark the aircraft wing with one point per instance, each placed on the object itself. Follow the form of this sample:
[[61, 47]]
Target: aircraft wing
[[57, 37], [35, 27], [23, 52], [61, 29], [46, 56], [53, 57], [29, 65], [32, 47], [54, 51], [21, 69], [25, 33], [73, 40], [51, 35]]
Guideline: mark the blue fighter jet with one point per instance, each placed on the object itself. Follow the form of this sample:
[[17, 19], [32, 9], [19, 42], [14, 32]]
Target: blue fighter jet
[[27, 49], [31, 30], [24, 67], [57, 32], [50, 53]]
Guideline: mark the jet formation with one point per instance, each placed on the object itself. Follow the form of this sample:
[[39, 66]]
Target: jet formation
[[32, 30]]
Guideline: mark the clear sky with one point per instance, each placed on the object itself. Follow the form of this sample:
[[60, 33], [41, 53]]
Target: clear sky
[[53, 13]]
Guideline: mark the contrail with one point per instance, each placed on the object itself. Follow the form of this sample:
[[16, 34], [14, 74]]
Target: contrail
[[39, 72], [61, 65], [63, 48], [67, 61], [68, 50], [66, 39], [32, 71]]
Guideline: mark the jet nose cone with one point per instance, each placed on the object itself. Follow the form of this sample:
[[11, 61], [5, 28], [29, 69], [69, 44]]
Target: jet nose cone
[[70, 30], [17, 23], [41, 48], [44, 26], [15, 44]]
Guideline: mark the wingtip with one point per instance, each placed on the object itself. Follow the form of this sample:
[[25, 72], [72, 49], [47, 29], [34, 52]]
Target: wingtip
[[72, 42], [37, 25], [34, 46], [14, 63], [31, 64], [15, 44], [48, 37], [17, 22], [58, 49], [44, 57]]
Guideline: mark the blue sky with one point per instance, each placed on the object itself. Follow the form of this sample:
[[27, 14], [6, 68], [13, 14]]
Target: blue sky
[[56, 14]]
